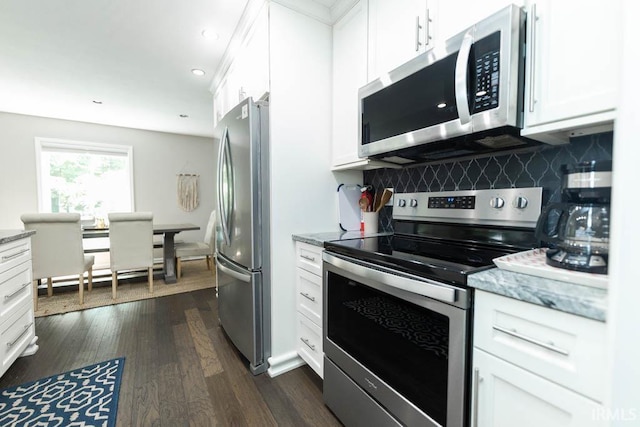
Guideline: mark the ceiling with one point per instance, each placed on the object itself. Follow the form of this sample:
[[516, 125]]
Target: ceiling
[[134, 56]]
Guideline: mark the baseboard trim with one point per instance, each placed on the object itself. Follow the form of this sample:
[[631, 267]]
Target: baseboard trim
[[284, 363]]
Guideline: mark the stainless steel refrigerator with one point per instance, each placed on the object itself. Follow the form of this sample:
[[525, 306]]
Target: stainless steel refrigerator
[[242, 244]]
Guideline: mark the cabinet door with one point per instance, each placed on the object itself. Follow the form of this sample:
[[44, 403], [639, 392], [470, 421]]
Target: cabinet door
[[251, 66], [452, 16], [506, 396], [248, 74], [572, 60], [349, 74], [398, 31]]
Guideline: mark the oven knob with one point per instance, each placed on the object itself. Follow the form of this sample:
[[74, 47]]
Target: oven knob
[[520, 202], [497, 202], [402, 203], [413, 203]]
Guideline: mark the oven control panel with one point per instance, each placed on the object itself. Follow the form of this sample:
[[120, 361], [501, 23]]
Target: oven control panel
[[508, 206], [452, 202]]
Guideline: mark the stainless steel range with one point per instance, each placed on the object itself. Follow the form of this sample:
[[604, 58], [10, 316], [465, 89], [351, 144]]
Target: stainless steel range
[[397, 309]]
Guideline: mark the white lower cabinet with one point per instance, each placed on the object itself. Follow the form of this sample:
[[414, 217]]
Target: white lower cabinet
[[535, 366], [507, 396], [309, 345], [17, 323], [309, 305]]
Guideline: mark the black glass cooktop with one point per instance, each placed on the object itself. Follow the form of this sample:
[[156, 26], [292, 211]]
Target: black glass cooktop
[[443, 252]]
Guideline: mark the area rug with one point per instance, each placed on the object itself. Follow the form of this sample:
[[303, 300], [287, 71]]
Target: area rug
[[195, 276], [83, 397]]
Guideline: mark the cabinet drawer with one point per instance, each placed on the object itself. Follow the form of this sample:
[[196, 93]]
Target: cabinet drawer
[[15, 288], [309, 345], [561, 347], [309, 257], [14, 253], [309, 295], [15, 335]]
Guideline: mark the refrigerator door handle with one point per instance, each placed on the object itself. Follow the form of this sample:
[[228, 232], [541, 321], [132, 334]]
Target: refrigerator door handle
[[230, 186], [221, 196], [243, 277]]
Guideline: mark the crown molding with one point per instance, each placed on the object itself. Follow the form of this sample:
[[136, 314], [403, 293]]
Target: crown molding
[[340, 8]]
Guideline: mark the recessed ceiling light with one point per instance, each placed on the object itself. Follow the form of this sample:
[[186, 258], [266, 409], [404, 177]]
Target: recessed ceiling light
[[184, 116], [95, 101], [209, 34], [198, 72]]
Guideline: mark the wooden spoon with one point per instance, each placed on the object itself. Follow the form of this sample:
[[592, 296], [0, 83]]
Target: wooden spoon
[[364, 204], [376, 201], [386, 196]]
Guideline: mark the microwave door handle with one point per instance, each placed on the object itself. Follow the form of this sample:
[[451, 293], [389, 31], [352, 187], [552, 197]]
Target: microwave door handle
[[461, 78]]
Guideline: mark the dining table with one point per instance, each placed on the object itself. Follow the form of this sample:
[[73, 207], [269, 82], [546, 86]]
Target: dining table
[[168, 231]]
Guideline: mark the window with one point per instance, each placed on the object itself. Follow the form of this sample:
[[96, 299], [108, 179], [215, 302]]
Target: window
[[82, 177]]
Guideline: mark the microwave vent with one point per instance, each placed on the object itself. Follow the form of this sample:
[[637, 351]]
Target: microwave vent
[[501, 141]]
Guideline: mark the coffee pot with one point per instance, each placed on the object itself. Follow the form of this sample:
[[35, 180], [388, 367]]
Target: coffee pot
[[577, 230]]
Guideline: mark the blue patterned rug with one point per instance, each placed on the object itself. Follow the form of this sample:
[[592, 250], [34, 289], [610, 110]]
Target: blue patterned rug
[[83, 397]]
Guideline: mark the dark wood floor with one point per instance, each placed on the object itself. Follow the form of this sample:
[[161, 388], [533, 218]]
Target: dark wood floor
[[180, 368]]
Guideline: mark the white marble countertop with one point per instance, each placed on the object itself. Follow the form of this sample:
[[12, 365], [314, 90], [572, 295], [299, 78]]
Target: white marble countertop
[[318, 239], [7, 236], [571, 298]]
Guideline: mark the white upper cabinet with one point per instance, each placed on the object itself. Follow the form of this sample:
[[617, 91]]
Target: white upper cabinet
[[252, 62], [572, 66], [453, 16], [248, 74], [349, 74], [398, 31]]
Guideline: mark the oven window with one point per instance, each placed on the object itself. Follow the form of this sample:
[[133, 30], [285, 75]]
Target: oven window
[[404, 344]]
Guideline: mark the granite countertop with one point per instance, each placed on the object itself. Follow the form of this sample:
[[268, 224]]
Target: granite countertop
[[571, 298], [7, 236], [318, 239]]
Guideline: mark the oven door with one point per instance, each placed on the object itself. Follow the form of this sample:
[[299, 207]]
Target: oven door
[[403, 348]]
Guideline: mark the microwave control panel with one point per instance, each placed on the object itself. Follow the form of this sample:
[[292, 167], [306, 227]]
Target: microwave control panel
[[487, 73]]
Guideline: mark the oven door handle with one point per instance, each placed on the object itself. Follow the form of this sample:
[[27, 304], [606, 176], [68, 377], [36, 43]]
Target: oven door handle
[[413, 284]]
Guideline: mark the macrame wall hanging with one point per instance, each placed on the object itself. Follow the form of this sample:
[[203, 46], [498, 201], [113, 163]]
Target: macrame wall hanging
[[188, 191]]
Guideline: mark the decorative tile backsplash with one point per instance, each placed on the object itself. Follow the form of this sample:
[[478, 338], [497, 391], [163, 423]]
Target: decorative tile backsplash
[[533, 169]]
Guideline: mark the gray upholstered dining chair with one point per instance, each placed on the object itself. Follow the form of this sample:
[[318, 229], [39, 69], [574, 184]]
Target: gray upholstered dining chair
[[130, 245], [194, 249], [56, 250]]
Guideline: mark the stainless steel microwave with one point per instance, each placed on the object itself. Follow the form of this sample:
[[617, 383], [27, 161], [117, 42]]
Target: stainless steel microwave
[[461, 98]]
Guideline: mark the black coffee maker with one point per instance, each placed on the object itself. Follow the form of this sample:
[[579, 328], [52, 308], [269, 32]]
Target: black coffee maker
[[577, 229]]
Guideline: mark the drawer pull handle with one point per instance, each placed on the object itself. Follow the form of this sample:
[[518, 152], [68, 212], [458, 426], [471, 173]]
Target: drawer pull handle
[[12, 256], [477, 379], [307, 296], [539, 343], [26, 328], [16, 292], [308, 258], [306, 341]]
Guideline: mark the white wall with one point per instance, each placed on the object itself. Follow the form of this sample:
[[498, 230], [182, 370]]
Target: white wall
[[157, 158], [303, 190], [623, 405]]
